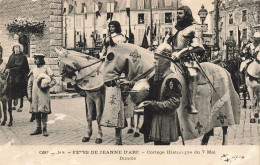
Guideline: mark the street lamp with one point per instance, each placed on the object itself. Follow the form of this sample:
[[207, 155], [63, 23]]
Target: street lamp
[[202, 14]]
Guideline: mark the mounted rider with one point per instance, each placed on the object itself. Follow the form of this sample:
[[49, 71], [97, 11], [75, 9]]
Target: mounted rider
[[186, 41]]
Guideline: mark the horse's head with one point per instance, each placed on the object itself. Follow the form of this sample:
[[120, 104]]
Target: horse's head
[[71, 64], [126, 58]]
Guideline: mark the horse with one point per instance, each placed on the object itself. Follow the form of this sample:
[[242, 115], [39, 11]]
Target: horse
[[5, 101], [252, 78], [85, 73], [137, 63]]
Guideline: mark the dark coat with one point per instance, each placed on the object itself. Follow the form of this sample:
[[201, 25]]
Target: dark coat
[[18, 74], [160, 118]]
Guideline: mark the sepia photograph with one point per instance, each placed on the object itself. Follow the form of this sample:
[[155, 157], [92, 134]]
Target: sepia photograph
[[129, 82]]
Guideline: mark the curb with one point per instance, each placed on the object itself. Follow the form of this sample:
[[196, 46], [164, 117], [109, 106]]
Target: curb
[[64, 95]]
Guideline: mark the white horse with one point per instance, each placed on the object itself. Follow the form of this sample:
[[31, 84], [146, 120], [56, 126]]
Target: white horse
[[137, 63], [253, 85], [86, 73]]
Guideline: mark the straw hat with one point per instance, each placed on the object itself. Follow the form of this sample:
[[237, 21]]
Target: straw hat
[[39, 55]]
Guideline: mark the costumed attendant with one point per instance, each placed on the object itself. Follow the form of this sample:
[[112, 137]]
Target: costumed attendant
[[39, 84]]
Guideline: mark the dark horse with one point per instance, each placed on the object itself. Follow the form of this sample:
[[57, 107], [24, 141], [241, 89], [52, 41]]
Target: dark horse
[[4, 99], [136, 62]]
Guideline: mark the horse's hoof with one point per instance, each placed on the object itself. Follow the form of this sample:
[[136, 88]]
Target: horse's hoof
[[258, 121], [256, 115], [85, 139], [98, 141], [136, 134], [14, 108], [252, 120], [130, 130], [19, 110], [3, 123], [249, 107], [10, 124], [244, 106]]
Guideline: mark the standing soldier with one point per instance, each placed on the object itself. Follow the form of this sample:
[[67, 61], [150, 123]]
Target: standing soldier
[[186, 40], [164, 96]]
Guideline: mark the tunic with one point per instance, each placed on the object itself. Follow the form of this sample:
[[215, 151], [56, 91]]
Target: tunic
[[161, 119], [40, 98]]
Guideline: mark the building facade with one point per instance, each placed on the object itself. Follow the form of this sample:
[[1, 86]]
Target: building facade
[[81, 20], [238, 19], [26, 12]]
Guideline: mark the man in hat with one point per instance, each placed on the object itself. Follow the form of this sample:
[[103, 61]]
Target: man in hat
[[18, 68], [161, 123], [186, 41], [216, 55]]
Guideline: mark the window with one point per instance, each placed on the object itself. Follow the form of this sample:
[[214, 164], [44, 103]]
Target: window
[[140, 4], [244, 16], [168, 17], [231, 33], [154, 4], [141, 18], [244, 35], [230, 18], [168, 2]]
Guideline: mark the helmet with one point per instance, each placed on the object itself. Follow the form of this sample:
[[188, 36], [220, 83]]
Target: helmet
[[140, 91], [257, 35], [43, 80]]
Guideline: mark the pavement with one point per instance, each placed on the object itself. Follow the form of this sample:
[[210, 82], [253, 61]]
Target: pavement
[[68, 125]]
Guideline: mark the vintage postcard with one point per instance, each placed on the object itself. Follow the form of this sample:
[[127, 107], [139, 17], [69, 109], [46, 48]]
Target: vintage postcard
[[129, 82]]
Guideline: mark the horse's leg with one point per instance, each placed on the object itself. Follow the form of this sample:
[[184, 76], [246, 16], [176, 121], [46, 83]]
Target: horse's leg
[[99, 108], [10, 112], [244, 95], [253, 106], [4, 102], [225, 135], [89, 108], [118, 136], [21, 105], [206, 137]]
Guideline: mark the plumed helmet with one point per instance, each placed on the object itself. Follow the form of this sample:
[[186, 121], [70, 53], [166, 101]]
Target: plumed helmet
[[140, 91], [43, 80]]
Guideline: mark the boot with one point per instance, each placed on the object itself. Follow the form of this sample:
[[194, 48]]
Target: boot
[[45, 132], [192, 89], [37, 131]]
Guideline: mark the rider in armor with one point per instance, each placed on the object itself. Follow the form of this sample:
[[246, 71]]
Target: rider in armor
[[186, 41], [115, 33]]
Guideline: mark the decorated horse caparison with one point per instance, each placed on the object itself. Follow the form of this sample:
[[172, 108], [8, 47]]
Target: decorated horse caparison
[[216, 109], [86, 73]]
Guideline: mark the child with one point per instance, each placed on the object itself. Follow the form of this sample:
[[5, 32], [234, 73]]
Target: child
[[39, 84]]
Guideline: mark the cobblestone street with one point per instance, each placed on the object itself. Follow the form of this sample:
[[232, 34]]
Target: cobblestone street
[[67, 126]]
